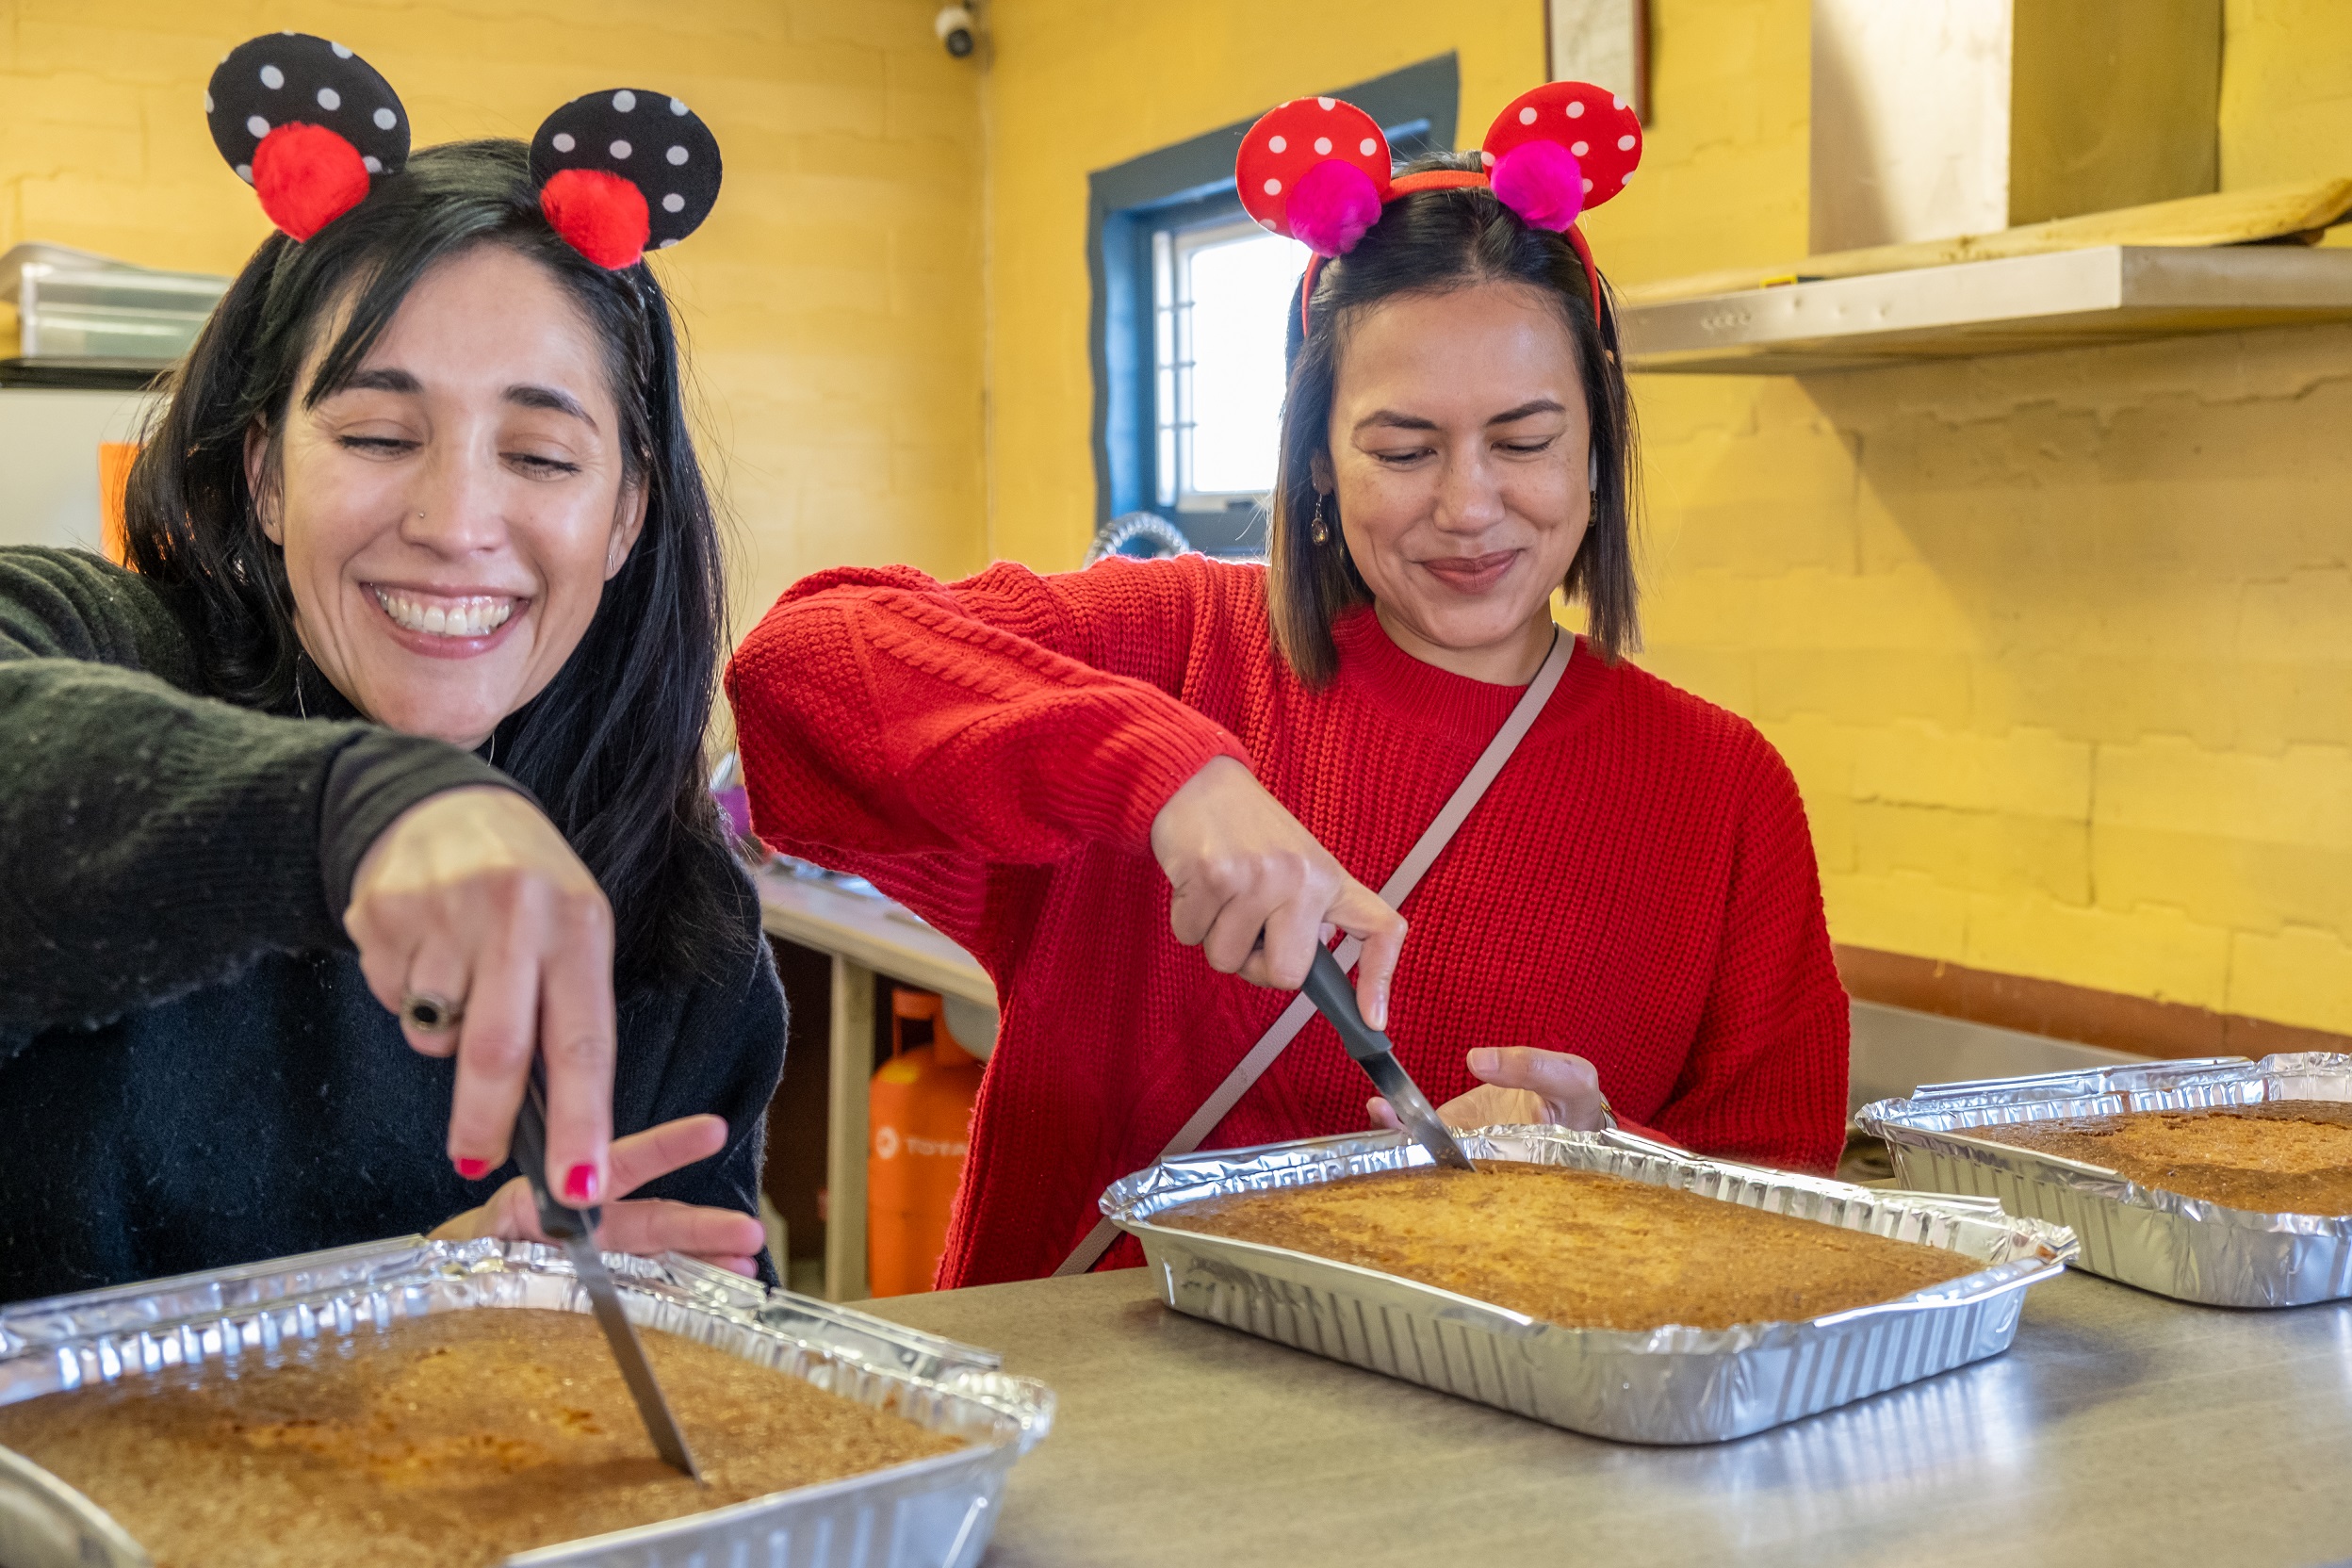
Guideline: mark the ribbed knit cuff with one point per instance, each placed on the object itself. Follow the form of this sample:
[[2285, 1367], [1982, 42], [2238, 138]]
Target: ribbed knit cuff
[[370, 782], [1143, 763]]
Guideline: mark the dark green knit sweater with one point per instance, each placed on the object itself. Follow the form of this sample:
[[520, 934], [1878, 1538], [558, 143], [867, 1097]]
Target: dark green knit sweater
[[192, 1070]]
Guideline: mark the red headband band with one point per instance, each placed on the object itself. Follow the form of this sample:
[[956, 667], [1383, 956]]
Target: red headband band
[[1318, 170]]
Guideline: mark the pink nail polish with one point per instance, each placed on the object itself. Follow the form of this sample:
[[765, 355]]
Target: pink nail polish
[[579, 1184], [473, 1170]]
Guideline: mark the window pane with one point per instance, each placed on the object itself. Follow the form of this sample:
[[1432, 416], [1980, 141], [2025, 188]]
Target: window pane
[[1240, 291]]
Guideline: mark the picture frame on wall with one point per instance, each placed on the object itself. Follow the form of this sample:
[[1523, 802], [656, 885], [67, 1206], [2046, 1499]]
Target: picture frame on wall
[[1606, 43]]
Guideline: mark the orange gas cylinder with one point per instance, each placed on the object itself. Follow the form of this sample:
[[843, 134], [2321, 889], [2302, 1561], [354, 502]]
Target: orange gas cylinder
[[919, 1109]]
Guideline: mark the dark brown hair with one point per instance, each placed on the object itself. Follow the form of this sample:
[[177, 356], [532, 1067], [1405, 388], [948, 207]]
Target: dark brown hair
[[1431, 242], [613, 747]]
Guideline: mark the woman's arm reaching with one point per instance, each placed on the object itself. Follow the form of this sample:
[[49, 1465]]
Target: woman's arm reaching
[[153, 839]]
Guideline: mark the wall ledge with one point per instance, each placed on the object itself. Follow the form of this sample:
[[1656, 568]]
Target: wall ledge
[[2107, 1019]]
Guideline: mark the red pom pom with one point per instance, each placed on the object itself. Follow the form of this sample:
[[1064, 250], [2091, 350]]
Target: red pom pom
[[307, 177], [603, 216]]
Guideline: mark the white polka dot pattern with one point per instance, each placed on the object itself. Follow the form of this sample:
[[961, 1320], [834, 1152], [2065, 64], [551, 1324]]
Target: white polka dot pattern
[[1564, 114], [282, 80], [601, 135], [1291, 142]]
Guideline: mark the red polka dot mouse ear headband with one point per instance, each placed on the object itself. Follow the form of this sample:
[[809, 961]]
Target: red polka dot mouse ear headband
[[311, 126], [1318, 170]]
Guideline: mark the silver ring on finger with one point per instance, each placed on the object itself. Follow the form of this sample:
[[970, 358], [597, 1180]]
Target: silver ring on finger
[[428, 1013]]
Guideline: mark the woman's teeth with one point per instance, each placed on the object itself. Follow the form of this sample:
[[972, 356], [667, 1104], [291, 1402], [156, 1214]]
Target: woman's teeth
[[467, 617]]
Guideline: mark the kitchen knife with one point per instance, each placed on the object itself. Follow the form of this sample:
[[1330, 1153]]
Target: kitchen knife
[[577, 1230], [1327, 987]]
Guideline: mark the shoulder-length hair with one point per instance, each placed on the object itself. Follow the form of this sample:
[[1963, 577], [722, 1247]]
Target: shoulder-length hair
[[613, 747], [1431, 242]]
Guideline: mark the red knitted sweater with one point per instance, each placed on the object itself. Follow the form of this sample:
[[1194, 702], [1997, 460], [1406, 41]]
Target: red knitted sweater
[[1638, 886]]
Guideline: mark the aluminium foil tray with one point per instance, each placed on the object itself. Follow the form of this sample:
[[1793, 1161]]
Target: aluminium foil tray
[[2187, 1248], [935, 1512], [1669, 1384]]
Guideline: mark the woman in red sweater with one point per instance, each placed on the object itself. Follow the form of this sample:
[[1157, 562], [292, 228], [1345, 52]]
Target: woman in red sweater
[[1085, 777]]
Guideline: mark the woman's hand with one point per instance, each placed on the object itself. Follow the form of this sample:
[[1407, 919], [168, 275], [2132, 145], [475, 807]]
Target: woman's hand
[[1257, 894], [472, 896], [1519, 1085], [648, 1227]]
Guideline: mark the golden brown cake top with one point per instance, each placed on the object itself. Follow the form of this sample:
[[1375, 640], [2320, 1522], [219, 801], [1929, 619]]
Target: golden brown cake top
[[2283, 1156], [452, 1440], [1578, 1248]]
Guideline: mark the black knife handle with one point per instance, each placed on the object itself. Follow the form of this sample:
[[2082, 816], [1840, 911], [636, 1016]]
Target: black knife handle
[[1327, 987], [559, 1221]]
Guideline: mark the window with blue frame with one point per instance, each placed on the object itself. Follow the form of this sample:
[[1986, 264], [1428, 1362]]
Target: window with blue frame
[[1189, 302]]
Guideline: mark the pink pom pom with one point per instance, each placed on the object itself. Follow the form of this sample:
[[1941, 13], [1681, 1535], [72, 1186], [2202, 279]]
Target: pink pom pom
[[1331, 206], [1542, 181]]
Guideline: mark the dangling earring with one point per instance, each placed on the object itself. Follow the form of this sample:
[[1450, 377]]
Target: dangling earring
[[1319, 530]]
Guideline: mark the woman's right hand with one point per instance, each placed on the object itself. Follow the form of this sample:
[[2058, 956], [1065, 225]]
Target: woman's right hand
[[1257, 894], [472, 896]]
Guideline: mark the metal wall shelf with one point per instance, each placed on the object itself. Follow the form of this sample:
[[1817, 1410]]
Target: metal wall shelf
[[2024, 304]]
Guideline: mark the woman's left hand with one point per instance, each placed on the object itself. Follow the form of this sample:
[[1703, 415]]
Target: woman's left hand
[[646, 1226], [1520, 1087]]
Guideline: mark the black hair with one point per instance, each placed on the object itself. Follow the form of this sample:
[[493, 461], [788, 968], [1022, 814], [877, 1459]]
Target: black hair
[[613, 747], [1429, 242]]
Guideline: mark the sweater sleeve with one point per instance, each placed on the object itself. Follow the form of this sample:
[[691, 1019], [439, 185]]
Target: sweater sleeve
[[1766, 1079], [1010, 717], [154, 840], [727, 1059]]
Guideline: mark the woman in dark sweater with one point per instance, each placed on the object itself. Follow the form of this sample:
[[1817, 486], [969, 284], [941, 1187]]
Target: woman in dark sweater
[[427, 468]]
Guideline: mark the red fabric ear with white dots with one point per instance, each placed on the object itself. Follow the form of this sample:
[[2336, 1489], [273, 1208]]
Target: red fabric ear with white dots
[[307, 124], [1315, 169], [1559, 150], [624, 172]]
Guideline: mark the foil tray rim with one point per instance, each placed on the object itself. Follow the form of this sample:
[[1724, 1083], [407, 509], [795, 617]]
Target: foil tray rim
[[1934, 1117], [1128, 1201], [1020, 1410]]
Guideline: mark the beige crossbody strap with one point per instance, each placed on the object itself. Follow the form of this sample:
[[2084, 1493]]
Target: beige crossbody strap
[[1403, 881]]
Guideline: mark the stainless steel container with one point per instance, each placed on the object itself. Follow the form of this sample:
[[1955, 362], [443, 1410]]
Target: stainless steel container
[[74, 305], [2182, 1247], [935, 1513], [1665, 1385]]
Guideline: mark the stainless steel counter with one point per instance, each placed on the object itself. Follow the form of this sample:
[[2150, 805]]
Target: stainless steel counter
[[2123, 1429]]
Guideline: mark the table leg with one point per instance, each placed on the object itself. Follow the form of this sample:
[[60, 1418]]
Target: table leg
[[851, 1047]]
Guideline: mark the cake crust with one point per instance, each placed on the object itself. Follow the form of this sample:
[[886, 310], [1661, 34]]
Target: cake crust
[[1579, 1248], [457, 1439], [2281, 1156]]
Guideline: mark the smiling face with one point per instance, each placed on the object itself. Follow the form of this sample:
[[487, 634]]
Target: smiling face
[[1458, 458], [449, 518]]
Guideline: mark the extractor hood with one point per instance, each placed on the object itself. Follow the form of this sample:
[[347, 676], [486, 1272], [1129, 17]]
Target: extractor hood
[[2022, 305]]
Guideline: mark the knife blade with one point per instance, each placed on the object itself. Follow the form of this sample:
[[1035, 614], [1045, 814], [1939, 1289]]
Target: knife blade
[[577, 1230], [1327, 987]]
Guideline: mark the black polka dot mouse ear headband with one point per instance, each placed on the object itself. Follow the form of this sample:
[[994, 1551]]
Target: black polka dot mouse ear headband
[[1317, 170], [311, 126]]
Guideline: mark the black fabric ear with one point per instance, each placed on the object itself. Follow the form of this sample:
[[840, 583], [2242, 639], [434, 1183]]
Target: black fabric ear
[[294, 78], [648, 138]]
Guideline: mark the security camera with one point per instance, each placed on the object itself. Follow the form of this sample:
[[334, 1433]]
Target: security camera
[[955, 29]]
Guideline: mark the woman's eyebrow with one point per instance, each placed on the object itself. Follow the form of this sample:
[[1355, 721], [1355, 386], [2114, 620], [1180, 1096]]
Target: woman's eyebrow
[[550, 398], [1391, 420], [383, 378], [1527, 410]]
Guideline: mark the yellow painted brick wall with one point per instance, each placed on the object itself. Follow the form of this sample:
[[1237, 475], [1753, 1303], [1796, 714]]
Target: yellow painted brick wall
[[832, 302], [2060, 646]]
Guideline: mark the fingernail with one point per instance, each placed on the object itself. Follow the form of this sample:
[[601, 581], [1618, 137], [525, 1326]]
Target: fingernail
[[1377, 1017], [579, 1184], [473, 1170], [1485, 1060]]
